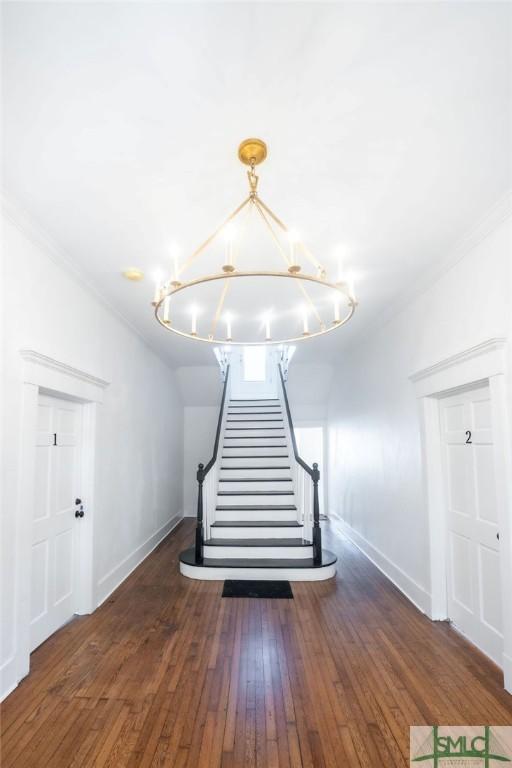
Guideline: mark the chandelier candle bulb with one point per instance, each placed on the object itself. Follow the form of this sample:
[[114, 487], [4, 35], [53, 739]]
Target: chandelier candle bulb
[[228, 329], [167, 302], [267, 329], [193, 328], [305, 329], [158, 288], [336, 311]]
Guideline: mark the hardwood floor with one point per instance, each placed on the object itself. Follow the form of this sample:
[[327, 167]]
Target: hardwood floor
[[166, 673]]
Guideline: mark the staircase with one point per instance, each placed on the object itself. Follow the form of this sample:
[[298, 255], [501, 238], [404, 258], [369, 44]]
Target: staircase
[[252, 523]]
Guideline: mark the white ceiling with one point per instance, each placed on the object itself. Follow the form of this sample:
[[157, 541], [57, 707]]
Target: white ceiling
[[388, 128]]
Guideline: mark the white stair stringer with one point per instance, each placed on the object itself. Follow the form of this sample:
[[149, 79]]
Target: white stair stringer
[[257, 532]]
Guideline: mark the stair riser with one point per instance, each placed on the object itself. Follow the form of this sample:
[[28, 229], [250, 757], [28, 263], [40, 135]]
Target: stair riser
[[258, 499], [255, 403], [256, 442], [249, 450], [255, 409], [251, 533], [255, 413], [236, 474], [255, 485], [254, 436], [255, 514], [268, 574], [244, 423], [259, 552]]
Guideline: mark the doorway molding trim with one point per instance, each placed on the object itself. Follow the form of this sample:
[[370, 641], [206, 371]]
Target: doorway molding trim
[[485, 362], [42, 373]]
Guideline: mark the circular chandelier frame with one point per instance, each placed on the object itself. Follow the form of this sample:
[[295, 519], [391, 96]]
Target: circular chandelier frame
[[252, 152], [341, 288]]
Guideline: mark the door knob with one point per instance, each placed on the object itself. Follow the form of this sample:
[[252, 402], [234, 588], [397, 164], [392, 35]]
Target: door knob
[[79, 512], [78, 501]]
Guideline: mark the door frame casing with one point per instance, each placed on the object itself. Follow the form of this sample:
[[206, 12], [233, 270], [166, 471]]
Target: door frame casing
[[45, 375], [484, 363]]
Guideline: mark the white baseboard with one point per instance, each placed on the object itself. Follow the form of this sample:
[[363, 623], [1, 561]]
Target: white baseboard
[[507, 672], [410, 588], [110, 582], [8, 681]]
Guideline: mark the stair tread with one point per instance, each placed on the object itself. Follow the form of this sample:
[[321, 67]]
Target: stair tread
[[251, 429], [188, 557], [263, 456], [251, 421], [255, 479], [253, 467], [257, 543], [254, 446], [255, 437], [254, 400], [255, 493], [255, 507], [256, 524]]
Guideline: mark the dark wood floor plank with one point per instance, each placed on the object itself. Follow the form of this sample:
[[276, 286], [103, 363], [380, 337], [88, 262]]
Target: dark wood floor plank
[[167, 673]]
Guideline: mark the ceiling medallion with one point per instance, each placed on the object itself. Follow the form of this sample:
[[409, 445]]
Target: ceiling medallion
[[312, 322]]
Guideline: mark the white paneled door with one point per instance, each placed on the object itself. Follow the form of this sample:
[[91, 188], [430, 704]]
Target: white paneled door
[[473, 551], [54, 524]]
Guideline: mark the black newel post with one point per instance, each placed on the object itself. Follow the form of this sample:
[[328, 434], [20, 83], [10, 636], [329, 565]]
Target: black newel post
[[317, 532], [199, 524]]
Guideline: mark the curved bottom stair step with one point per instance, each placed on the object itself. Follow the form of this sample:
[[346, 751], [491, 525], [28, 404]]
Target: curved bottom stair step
[[289, 569], [277, 542], [250, 529], [258, 548]]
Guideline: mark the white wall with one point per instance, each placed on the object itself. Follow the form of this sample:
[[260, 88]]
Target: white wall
[[199, 428], [139, 466], [376, 482], [308, 388]]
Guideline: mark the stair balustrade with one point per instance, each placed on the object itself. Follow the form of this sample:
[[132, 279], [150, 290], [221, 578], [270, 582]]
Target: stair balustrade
[[207, 477]]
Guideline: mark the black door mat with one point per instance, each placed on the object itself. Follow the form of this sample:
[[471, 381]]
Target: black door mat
[[269, 589]]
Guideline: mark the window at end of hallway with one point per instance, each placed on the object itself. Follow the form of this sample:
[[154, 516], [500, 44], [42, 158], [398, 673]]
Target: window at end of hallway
[[255, 359]]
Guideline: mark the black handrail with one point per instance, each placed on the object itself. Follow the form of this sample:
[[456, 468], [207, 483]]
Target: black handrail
[[313, 472], [202, 471]]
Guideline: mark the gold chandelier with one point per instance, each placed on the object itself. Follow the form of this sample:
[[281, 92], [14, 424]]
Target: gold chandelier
[[312, 319]]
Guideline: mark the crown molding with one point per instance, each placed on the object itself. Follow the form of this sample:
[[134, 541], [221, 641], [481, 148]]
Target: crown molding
[[40, 238], [484, 348], [491, 220], [30, 356]]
